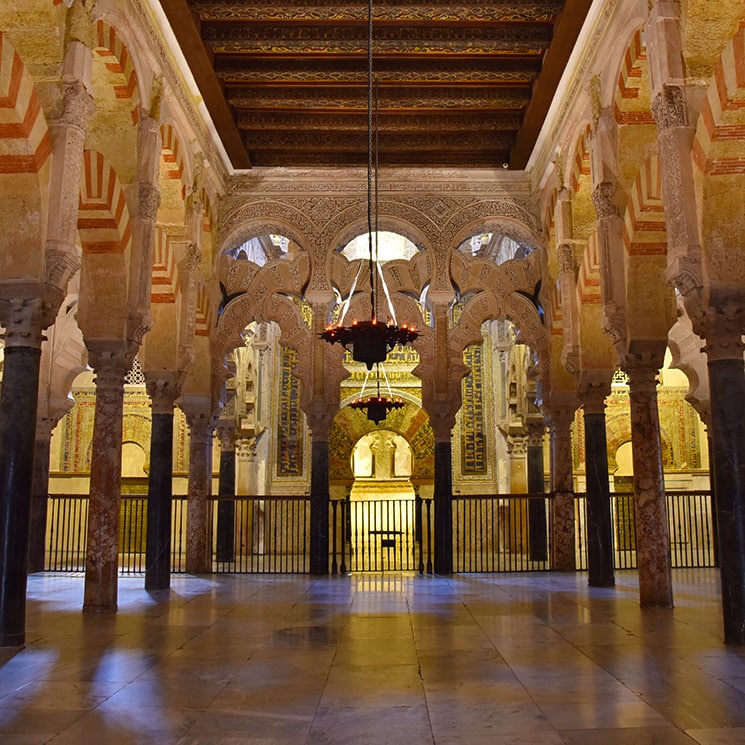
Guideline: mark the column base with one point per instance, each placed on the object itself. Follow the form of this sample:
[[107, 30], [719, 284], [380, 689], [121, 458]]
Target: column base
[[13, 640]]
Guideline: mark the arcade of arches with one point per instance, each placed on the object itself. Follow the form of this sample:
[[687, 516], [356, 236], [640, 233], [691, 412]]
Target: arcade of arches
[[161, 310]]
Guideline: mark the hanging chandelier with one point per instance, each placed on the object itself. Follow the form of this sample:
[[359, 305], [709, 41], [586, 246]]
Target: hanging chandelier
[[370, 341], [377, 406]]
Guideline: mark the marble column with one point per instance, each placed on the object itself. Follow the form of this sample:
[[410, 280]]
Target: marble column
[[226, 492], [18, 402], [599, 527], [724, 349], [652, 536], [443, 504], [110, 363], [537, 527], [563, 556], [162, 390], [319, 507], [198, 545], [40, 494], [713, 491]]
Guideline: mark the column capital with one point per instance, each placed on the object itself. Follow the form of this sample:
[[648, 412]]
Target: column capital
[[164, 388], [517, 445], [643, 370], [602, 200], [78, 106], [536, 431], [722, 330], [199, 416], [594, 387], [111, 360], [148, 195], [227, 433], [23, 319], [669, 107], [246, 448]]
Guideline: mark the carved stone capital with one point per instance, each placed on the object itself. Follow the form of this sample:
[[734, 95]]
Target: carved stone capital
[[77, 106], [163, 389], [669, 107], [517, 445], [614, 322], [246, 448], [566, 258], [62, 263], [602, 200], [227, 433], [686, 274], [111, 360], [536, 431], [149, 198], [593, 388], [23, 319], [570, 359], [643, 371], [723, 329]]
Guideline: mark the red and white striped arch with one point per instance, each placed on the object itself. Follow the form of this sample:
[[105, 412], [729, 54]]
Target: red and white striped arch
[[24, 138], [118, 62], [171, 152], [581, 162], [632, 93], [719, 146], [164, 282], [103, 217], [202, 326], [588, 279], [644, 232]]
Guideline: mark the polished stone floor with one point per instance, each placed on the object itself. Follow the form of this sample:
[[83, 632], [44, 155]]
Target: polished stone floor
[[474, 659]]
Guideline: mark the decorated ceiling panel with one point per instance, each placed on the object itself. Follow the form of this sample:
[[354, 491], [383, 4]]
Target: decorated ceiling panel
[[459, 85]]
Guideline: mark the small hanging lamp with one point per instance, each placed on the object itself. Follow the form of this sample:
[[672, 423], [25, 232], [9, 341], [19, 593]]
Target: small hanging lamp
[[377, 406]]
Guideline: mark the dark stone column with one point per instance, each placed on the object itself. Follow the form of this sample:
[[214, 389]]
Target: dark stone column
[[563, 557], [198, 545], [102, 555], [162, 391], [443, 499], [40, 495], [599, 526], [537, 527], [18, 404], [713, 498], [727, 386], [652, 535], [226, 492], [319, 508]]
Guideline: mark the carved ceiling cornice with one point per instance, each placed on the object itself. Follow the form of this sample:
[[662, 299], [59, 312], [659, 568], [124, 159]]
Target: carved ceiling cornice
[[537, 11]]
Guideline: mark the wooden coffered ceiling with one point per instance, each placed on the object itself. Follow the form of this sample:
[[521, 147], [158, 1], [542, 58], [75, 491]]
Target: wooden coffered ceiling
[[460, 85]]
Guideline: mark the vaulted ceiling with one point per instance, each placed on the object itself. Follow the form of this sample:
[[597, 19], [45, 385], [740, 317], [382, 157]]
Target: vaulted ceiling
[[460, 85]]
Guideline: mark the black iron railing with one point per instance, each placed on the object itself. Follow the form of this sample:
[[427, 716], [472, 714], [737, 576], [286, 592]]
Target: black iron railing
[[271, 534]]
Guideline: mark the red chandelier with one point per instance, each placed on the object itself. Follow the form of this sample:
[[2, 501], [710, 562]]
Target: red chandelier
[[370, 341]]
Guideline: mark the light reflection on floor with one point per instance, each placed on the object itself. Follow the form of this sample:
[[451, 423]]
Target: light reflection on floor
[[537, 659]]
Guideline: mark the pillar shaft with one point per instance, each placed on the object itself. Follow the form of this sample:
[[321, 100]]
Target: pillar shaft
[[652, 535], [159, 503], [563, 557], [162, 388], [319, 508], [17, 433], [727, 385], [39, 496], [537, 526], [198, 549], [226, 493], [102, 554], [443, 499]]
